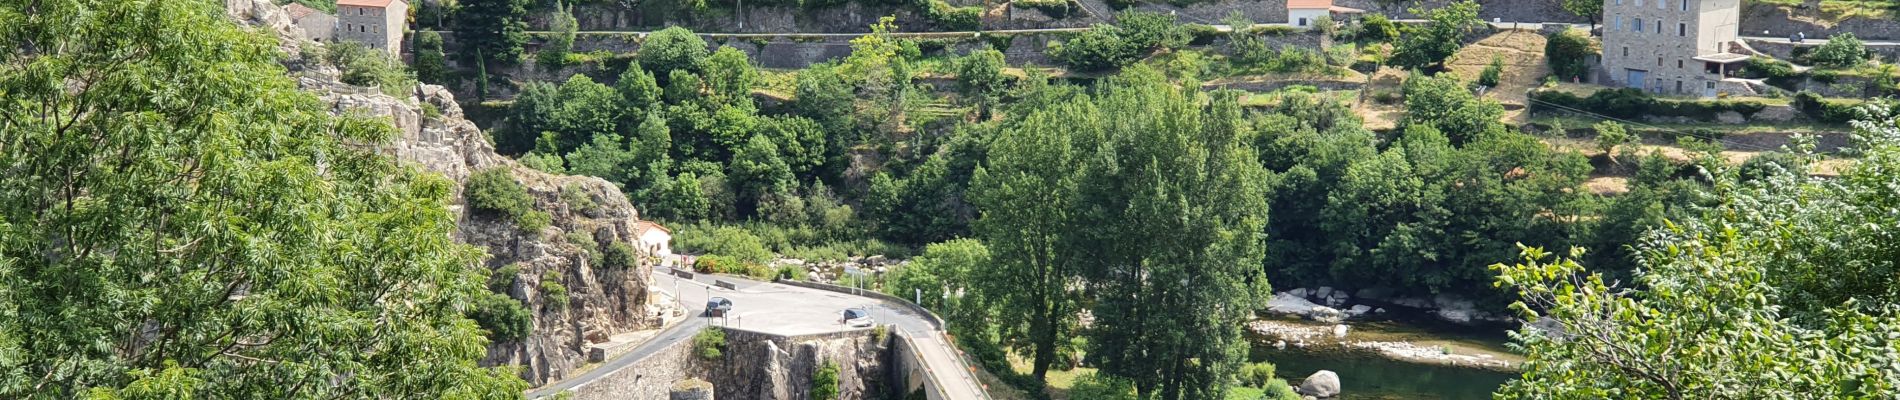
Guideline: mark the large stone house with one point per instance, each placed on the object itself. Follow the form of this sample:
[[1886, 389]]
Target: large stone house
[[316, 25], [377, 24], [1672, 46]]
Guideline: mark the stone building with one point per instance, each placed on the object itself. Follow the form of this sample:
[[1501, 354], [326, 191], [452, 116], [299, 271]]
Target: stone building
[[1672, 46], [377, 24], [316, 25]]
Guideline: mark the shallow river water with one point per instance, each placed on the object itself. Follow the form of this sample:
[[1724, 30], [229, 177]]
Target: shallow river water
[[1364, 376]]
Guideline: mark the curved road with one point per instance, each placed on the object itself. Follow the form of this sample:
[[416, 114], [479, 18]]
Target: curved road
[[789, 310]]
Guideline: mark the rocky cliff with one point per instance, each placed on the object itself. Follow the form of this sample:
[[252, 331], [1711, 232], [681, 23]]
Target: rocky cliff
[[435, 136]]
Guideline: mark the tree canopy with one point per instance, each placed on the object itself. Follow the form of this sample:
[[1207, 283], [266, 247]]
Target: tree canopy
[[179, 221]]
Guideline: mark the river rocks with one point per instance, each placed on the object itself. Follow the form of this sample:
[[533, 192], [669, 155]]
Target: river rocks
[[1339, 331], [1359, 309], [1300, 292], [1324, 292], [1326, 314], [1322, 384]]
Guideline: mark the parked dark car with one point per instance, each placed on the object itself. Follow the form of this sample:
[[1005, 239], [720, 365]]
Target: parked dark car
[[718, 307], [857, 318]]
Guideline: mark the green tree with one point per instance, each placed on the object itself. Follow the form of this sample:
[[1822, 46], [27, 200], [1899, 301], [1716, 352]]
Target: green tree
[[1588, 9], [1611, 134], [824, 95], [639, 91], [980, 77], [562, 27], [672, 49], [758, 171], [607, 157], [1445, 104], [1780, 276], [1102, 47], [431, 64], [574, 111], [730, 75], [801, 142], [1025, 191], [1147, 31], [1841, 51], [495, 28], [181, 222], [1174, 204], [1567, 53], [1428, 45]]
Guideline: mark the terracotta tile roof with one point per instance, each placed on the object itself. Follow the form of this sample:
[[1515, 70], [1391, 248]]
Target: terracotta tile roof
[[1309, 4], [641, 228], [298, 11], [366, 3]]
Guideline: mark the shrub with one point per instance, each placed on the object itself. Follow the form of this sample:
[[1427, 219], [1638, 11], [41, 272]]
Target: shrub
[[1841, 51], [710, 343], [1825, 110], [552, 288], [584, 241], [362, 66], [1057, 9], [620, 256], [1377, 28], [1566, 52], [1629, 103], [1342, 55], [824, 382], [1099, 48], [494, 191], [1492, 73], [1145, 31], [951, 17], [726, 241], [503, 317], [579, 201], [1294, 59], [670, 49], [1102, 387], [1257, 374], [502, 279]]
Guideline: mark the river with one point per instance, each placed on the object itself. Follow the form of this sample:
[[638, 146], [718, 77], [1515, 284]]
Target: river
[[1364, 375]]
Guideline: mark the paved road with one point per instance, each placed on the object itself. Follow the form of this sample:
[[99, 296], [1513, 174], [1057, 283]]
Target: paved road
[[787, 310]]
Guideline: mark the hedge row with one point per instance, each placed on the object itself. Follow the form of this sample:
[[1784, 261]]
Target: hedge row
[[1825, 110], [1630, 103]]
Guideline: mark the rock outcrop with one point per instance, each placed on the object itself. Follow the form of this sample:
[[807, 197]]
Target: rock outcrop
[[433, 135]]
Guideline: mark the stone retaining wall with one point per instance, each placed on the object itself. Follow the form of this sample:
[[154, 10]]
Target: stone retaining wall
[[1774, 21], [1786, 51], [759, 365]]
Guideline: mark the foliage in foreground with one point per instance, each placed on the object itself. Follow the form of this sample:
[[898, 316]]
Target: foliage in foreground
[[1770, 294], [178, 221]]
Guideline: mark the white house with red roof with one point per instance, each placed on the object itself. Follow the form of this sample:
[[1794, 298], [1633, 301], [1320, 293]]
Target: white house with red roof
[[655, 240], [377, 24], [1304, 13]]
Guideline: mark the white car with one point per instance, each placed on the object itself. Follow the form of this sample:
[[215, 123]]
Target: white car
[[857, 318]]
